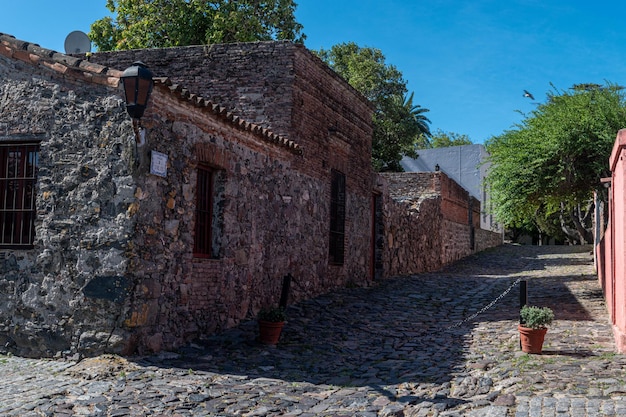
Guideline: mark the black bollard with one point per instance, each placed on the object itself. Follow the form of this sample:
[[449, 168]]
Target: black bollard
[[284, 295], [523, 300], [523, 296]]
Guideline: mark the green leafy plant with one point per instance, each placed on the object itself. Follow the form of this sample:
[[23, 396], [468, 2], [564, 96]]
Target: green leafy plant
[[554, 139], [273, 314], [159, 24], [536, 317]]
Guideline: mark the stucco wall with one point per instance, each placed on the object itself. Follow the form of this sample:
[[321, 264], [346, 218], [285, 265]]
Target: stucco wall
[[612, 259]]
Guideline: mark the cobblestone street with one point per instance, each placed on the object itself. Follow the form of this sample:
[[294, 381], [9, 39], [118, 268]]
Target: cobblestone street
[[404, 347]]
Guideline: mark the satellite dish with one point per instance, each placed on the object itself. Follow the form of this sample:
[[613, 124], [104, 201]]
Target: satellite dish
[[77, 42]]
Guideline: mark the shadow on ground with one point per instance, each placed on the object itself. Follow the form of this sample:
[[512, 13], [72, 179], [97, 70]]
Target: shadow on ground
[[400, 330]]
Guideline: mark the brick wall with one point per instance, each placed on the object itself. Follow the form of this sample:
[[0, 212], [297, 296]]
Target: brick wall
[[427, 223], [254, 80]]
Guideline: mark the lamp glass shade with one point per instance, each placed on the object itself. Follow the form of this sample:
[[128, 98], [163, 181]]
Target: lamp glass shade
[[137, 81]]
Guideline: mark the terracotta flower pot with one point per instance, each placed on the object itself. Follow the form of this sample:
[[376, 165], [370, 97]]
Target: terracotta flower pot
[[269, 331], [532, 339]]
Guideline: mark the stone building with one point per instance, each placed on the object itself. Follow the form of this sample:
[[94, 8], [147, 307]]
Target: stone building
[[429, 221], [467, 165], [255, 164]]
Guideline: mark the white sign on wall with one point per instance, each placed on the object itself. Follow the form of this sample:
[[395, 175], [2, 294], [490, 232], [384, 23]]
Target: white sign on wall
[[158, 164]]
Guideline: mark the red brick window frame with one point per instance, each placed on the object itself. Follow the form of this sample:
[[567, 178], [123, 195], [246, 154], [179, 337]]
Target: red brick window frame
[[18, 176], [203, 237], [337, 217]]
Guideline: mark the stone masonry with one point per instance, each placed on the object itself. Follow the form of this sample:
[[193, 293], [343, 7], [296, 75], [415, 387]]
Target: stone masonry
[[427, 223], [68, 293], [113, 269], [274, 210]]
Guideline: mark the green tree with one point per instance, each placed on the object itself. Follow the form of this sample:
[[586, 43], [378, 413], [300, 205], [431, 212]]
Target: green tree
[[165, 23], [544, 172], [399, 128], [399, 125], [441, 139]]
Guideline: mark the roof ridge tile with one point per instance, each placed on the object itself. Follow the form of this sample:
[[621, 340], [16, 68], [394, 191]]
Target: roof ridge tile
[[59, 62], [218, 110]]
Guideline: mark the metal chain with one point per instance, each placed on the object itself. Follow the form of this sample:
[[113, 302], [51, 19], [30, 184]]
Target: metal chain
[[485, 308], [460, 323]]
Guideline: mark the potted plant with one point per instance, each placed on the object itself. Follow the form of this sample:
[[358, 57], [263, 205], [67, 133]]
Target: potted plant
[[533, 327], [271, 322]]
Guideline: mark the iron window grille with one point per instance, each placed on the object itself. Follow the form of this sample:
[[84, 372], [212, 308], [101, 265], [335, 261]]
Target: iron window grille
[[337, 217], [204, 213], [18, 177]]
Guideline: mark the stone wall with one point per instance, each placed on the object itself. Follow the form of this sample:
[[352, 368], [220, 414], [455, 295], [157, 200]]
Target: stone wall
[[486, 239], [280, 86], [275, 221], [427, 223], [333, 123], [412, 238], [68, 294], [113, 269], [253, 80], [284, 87], [272, 84], [179, 296]]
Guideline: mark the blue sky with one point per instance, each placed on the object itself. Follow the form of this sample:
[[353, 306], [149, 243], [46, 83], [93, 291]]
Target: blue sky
[[468, 62]]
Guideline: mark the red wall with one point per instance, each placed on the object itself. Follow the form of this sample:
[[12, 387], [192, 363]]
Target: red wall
[[611, 253]]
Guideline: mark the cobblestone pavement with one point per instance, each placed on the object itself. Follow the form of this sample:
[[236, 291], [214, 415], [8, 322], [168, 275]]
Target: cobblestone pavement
[[401, 348]]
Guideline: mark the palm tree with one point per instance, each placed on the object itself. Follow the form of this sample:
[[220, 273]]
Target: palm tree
[[399, 128], [416, 114]]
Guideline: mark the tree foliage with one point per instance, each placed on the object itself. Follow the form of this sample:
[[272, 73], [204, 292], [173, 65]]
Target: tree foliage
[[544, 171], [399, 127], [441, 139], [166, 23], [399, 124]]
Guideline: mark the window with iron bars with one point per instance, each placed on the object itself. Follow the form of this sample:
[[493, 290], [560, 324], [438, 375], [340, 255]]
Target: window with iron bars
[[204, 212], [18, 176], [337, 217]]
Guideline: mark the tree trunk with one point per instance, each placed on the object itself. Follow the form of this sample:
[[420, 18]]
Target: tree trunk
[[578, 218]]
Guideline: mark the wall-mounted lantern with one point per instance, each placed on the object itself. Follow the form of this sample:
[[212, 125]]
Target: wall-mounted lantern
[[137, 81], [437, 168]]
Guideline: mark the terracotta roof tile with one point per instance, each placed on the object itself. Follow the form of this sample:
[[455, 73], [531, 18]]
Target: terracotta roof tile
[[213, 108], [81, 68]]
